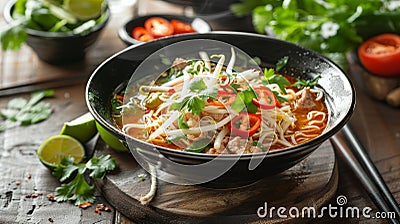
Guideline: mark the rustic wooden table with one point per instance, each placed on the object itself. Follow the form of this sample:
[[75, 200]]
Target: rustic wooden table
[[376, 124]]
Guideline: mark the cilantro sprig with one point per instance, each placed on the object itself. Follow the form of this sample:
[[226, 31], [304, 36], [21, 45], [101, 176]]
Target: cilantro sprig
[[78, 189], [195, 101], [302, 83], [24, 112]]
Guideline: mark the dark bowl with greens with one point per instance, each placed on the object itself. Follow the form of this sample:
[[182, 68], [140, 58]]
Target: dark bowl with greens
[[56, 36], [187, 167]]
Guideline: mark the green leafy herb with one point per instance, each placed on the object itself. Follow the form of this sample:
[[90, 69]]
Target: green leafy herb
[[198, 145], [301, 83], [244, 101], [281, 63], [42, 15], [270, 77], [78, 189], [20, 111], [261, 146], [331, 27], [181, 122], [196, 102]]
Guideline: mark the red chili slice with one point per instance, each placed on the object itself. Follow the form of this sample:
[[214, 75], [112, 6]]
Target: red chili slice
[[141, 34], [158, 27], [265, 99], [253, 122], [181, 27], [223, 99]]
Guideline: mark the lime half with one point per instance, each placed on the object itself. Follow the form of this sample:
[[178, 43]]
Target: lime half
[[82, 128], [55, 148], [84, 9], [110, 139]]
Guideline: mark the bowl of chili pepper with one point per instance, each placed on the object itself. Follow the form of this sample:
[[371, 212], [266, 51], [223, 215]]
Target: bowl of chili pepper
[[151, 27]]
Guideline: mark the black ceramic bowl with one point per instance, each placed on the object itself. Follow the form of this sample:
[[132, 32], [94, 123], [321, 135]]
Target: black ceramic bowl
[[58, 47], [125, 31], [340, 99]]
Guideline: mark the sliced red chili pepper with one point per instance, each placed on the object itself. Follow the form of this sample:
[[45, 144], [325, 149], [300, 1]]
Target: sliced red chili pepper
[[224, 81], [223, 99], [141, 34], [265, 99], [158, 27], [245, 124], [181, 27]]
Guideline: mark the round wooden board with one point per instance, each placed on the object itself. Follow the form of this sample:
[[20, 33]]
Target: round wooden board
[[311, 183]]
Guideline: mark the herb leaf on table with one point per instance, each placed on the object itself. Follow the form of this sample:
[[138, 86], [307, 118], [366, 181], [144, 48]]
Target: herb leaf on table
[[20, 111], [79, 189]]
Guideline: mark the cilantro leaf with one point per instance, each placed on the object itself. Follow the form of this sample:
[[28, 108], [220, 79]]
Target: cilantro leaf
[[301, 83], [26, 112], [197, 84], [244, 101], [181, 122], [101, 165], [195, 105], [78, 189], [281, 63]]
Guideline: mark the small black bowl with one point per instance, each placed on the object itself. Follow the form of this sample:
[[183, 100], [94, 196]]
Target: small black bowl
[[58, 47], [339, 96], [125, 31]]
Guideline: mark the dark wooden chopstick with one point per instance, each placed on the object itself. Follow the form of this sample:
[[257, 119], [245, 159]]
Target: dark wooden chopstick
[[373, 185], [361, 154]]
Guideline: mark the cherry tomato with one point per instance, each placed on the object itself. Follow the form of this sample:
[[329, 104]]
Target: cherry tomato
[[266, 99], [223, 99], [158, 27], [381, 54], [141, 34], [181, 27], [252, 123]]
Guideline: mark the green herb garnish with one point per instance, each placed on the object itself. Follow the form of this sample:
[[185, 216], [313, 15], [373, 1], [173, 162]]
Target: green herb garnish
[[20, 111], [301, 83], [78, 189]]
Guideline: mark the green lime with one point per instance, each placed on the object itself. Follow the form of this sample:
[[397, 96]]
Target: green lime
[[57, 147], [84, 9], [110, 139], [82, 128]]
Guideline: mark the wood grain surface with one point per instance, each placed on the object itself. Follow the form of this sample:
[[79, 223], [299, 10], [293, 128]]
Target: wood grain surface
[[310, 183]]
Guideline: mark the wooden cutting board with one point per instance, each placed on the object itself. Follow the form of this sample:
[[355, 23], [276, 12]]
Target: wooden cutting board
[[312, 182]]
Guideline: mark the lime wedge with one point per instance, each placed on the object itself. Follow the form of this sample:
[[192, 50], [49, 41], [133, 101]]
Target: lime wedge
[[57, 147], [110, 139], [84, 9], [82, 128]]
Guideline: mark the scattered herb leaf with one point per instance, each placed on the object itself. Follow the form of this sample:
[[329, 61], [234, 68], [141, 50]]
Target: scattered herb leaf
[[78, 189], [301, 83]]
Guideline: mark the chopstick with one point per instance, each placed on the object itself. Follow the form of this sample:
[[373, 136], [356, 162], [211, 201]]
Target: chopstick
[[365, 170], [365, 161]]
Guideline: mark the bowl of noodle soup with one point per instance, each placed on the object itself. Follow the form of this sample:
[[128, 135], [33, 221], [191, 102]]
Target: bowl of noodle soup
[[222, 108]]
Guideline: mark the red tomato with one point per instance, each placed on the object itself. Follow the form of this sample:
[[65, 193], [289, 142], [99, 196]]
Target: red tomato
[[141, 34], [181, 27], [381, 54], [158, 27], [266, 99], [252, 121]]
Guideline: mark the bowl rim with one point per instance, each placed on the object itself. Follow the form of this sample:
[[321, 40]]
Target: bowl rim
[[126, 38], [38, 33], [202, 156]]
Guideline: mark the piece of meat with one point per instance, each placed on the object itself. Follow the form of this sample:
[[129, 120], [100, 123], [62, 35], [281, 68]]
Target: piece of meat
[[306, 100], [238, 145], [179, 63]]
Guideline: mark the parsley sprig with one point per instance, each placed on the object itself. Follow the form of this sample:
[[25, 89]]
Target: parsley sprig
[[78, 189]]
